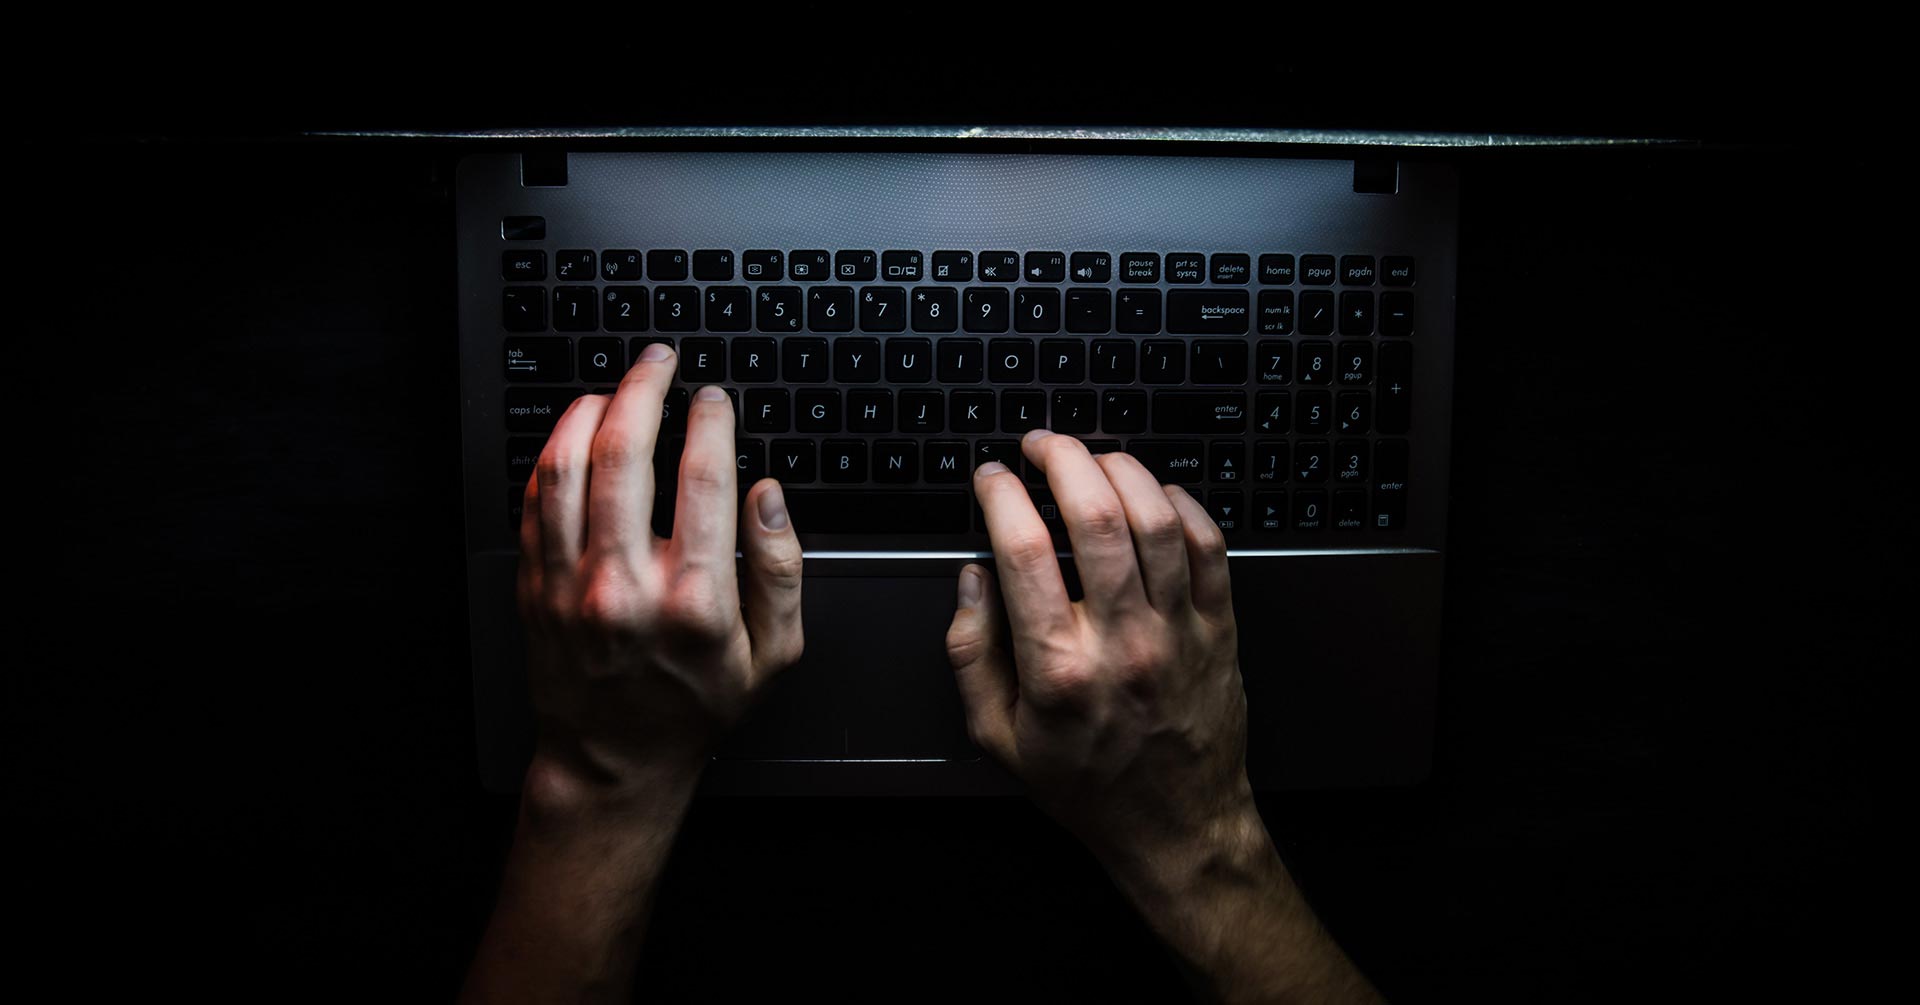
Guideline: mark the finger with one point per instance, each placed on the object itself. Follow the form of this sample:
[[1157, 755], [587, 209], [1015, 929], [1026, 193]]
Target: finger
[[1096, 523], [705, 518], [1037, 604], [986, 677], [1206, 556], [1159, 535], [771, 594], [563, 473], [621, 512], [527, 583]]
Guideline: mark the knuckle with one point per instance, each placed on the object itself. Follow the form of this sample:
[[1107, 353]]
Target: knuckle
[[1065, 684], [615, 450], [1163, 526], [783, 566], [1028, 551], [558, 465], [703, 470], [694, 608], [965, 646], [1211, 543], [1104, 518]]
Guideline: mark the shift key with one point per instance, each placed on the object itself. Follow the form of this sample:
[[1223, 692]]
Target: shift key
[[1171, 461]]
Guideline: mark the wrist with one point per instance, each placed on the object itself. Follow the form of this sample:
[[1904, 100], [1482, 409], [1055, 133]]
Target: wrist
[[570, 786], [1228, 851]]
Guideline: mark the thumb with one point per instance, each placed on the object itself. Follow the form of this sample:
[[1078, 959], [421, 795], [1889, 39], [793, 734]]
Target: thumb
[[981, 665], [770, 592]]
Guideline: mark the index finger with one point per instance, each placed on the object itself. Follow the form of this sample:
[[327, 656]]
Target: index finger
[[1036, 596], [620, 507]]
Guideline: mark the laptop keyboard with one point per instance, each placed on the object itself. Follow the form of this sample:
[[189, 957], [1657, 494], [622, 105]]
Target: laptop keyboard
[[1274, 386]]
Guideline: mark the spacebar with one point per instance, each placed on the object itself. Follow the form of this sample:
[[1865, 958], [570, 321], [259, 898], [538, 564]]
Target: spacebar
[[841, 512]]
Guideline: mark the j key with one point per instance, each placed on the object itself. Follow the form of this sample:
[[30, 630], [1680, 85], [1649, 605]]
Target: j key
[[1269, 513], [703, 361], [574, 309], [1227, 461], [909, 360], [1218, 361], [749, 461], [523, 308], [1273, 362], [713, 266], [1140, 267], [1356, 362], [953, 266], [1186, 267], [779, 309], [922, 411], [766, 266], [1396, 270], [896, 462], [1350, 462], [810, 267], [577, 266], [856, 360], [543, 360], [848, 511], [843, 461], [1276, 270], [536, 409], [1276, 312], [791, 461], [767, 410], [1045, 267], [729, 309], [1312, 461], [525, 266], [1207, 312], [1210, 412], [900, 266], [665, 265], [1396, 387], [1314, 412], [1163, 362], [1231, 270], [1310, 511], [523, 452], [1272, 412], [1316, 313], [1022, 410], [804, 360], [621, 266], [855, 266], [1089, 312], [1356, 270], [1389, 484], [830, 309], [1010, 360], [676, 308], [970, 411], [1073, 411], [999, 266], [987, 310], [624, 310], [883, 309], [602, 360], [936, 310], [947, 461], [1316, 270], [1228, 507], [1112, 362], [961, 360], [1316, 363], [1179, 462], [1091, 267], [1356, 312], [1123, 411], [1270, 461], [817, 410], [1349, 510], [1396, 313], [1036, 311], [1137, 312], [1063, 361]]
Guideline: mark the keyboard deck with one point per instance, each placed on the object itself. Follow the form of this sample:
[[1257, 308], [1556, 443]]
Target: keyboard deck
[[1271, 372]]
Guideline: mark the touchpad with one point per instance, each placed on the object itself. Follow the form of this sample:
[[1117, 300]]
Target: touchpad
[[874, 683]]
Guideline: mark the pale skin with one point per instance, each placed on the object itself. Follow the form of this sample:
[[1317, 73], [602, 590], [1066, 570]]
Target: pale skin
[[1123, 713]]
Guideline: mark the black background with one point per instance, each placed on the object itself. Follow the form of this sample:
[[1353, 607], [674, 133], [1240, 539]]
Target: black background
[[242, 727]]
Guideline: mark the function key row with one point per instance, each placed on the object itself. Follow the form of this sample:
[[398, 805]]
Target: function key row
[[1084, 267]]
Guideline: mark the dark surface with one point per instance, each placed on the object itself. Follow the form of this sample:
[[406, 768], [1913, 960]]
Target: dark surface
[[243, 736]]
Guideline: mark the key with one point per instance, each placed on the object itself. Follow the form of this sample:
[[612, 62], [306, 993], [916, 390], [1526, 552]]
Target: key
[[1186, 267], [1218, 361], [1396, 313], [1022, 410], [810, 266], [523, 309], [676, 308], [1276, 270], [922, 411], [1180, 462], [1073, 411], [1089, 267], [1349, 510], [883, 309], [792, 462], [1350, 462], [1036, 311], [1005, 451], [762, 266], [577, 266], [804, 360], [909, 360], [1396, 270], [1112, 362], [855, 266], [1137, 312], [825, 511], [767, 410], [1389, 484], [817, 410], [970, 411], [953, 266], [1140, 267], [574, 309], [621, 266], [999, 266], [1228, 509], [1123, 411], [1356, 362], [602, 360], [896, 462], [1273, 360], [1208, 412], [523, 452], [729, 309], [1270, 461], [1309, 511], [856, 360], [546, 360], [703, 361], [900, 266], [528, 265], [1010, 360], [1316, 270], [636, 346], [1098, 447], [870, 410], [665, 265], [624, 310], [1231, 269], [1356, 312], [673, 411], [1089, 312], [962, 360], [947, 461], [1045, 267], [1314, 413], [1207, 312], [779, 309], [1269, 512], [1226, 460], [1356, 270], [1063, 361], [1276, 312], [713, 266], [986, 310], [843, 461], [1316, 363], [536, 409], [1396, 387], [830, 309], [1163, 362], [1311, 461], [1271, 412], [1355, 413], [936, 310], [1316, 313], [749, 461]]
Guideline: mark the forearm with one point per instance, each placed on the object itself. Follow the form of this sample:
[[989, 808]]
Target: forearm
[[578, 886], [1224, 902]]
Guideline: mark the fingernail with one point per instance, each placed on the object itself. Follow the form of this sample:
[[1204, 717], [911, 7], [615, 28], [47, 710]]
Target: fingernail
[[773, 509], [709, 393], [990, 468], [1034, 434], [655, 351], [973, 586]]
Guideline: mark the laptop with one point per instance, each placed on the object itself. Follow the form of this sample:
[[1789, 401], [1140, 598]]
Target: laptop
[[1271, 331]]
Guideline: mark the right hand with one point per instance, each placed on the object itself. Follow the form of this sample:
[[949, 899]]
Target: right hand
[[1123, 712]]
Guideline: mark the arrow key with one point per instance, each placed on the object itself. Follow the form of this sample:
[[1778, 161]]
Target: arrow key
[[1227, 461], [1269, 512], [1228, 509]]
